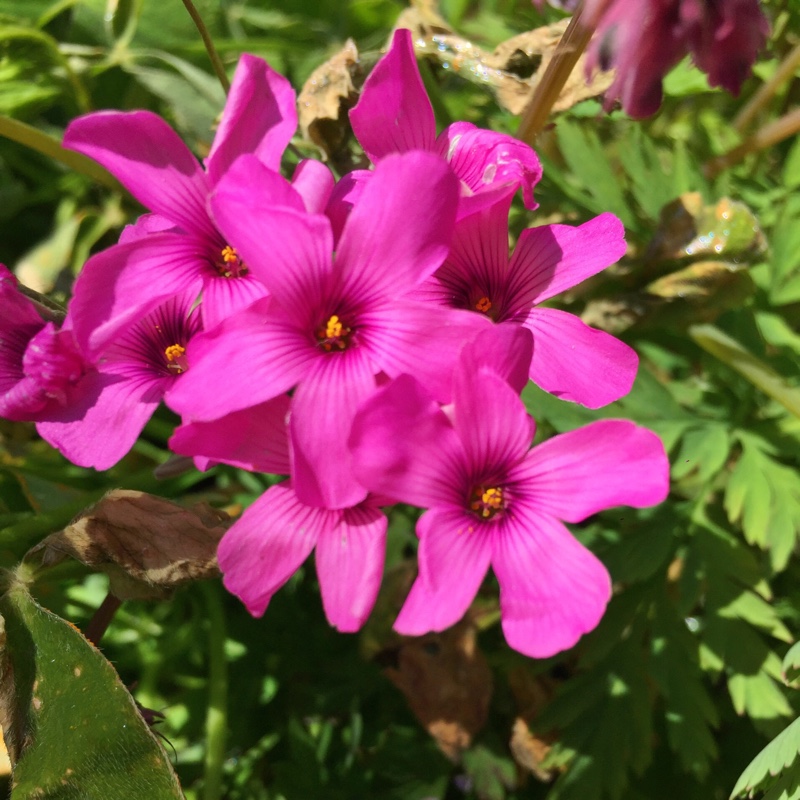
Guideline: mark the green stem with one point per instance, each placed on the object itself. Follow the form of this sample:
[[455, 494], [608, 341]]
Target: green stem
[[217, 713], [47, 145], [216, 61]]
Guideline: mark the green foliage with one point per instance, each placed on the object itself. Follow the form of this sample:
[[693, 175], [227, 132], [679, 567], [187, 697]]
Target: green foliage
[[75, 730], [684, 679]]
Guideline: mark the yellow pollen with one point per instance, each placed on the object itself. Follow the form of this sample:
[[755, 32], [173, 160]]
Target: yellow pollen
[[229, 264], [174, 352], [484, 304], [334, 334], [487, 501]]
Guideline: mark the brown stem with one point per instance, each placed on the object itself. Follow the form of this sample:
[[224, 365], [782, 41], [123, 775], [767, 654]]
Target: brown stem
[[785, 71], [216, 61], [764, 137], [102, 618], [574, 41]]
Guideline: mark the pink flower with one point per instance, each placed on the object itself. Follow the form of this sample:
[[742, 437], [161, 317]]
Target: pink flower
[[394, 115], [644, 39], [276, 534], [493, 501], [570, 359], [41, 369], [179, 248], [331, 327], [129, 380]]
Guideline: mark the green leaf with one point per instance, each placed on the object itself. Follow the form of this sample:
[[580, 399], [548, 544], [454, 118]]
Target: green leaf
[[779, 754], [791, 663], [730, 352], [690, 713], [72, 727], [649, 184], [704, 451], [591, 168]]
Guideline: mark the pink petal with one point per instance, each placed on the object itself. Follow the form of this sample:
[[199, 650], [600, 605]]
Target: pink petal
[[491, 421], [314, 182], [397, 235], [121, 284], [578, 363], [350, 566], [150, 160], [267, 545], [225, 296], [454, 554], [421, 340], [550, 259], [405, 448], [144, 226], [288, 250], [323, 408], [505, 349], [260, 117], [254, 438], [394, 114], [552, 589], [485, 159], [345, 195], [604, 464], [247, 360], [105, 424]]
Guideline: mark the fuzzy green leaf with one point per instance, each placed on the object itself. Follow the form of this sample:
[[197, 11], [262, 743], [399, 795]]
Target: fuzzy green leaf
[[72, 728]]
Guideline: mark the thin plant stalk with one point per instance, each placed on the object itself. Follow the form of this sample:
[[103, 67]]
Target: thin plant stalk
[[770, 134], [785, 71], [216, 61], [217, 712], [102, 618], [49, 146], [574, 41]]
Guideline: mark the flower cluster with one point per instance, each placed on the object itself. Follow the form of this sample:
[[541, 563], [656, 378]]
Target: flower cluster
[[368, 338]]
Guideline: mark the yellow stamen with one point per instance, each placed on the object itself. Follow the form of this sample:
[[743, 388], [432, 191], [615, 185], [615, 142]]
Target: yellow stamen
[[229, 264], [334, 334], [487, 501], [484, 304], [175, 354]]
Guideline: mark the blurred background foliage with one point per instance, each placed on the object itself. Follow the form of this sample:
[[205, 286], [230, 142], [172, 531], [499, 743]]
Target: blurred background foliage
[[682, 683]]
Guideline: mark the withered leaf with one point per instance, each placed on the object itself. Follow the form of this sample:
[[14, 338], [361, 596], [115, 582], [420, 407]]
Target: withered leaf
[[323, 103], [447, 682], [147, 545], [513, 69]]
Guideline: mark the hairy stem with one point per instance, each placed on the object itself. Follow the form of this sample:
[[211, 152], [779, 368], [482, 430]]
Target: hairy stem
[[216, 61]]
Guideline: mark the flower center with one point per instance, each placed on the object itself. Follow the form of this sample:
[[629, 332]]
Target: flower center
[[229, 265], [334, 334], [487, 501], [176, 358], [483, 305]]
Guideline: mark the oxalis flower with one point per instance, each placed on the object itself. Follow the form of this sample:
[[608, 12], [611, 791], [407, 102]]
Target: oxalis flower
[[570, 359], [131, 377], [179, 248], [331, 326], [394, 115], [494, 501]]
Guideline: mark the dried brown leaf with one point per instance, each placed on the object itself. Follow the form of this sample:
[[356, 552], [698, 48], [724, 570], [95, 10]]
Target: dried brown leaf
[[147, 545], [323, 103], [447, 683]]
